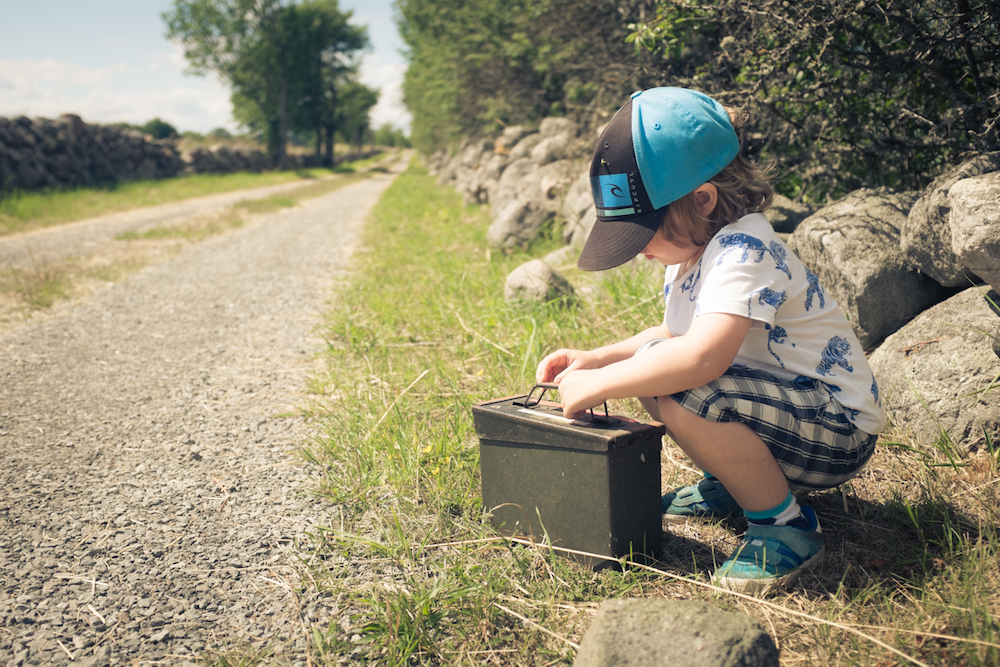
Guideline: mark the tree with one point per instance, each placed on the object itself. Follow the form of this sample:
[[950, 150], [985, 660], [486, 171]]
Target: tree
[[158, 129], [323, 62], [266, 51], [356, 100], [477, 65], [845, 93]]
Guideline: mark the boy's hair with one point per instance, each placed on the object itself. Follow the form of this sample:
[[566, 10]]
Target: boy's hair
[[742, 186]]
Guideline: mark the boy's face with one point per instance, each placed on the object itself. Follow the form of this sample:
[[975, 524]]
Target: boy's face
[[668, 254]]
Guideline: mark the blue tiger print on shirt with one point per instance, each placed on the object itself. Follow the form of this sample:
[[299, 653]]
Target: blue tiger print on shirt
[[767, 297], [835, 354], [779, 255], [691, 281], [815, 289], [775, 335], [751, 244]]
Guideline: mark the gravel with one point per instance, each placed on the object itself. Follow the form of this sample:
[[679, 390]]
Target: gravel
[[81, 238], [152, 498]]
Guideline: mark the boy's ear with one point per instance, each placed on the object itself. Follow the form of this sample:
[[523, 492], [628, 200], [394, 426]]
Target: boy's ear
[[706, 197]]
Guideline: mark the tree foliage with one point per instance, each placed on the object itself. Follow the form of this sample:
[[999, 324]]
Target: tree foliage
[[283, 61], [477, 65], [846, 93]]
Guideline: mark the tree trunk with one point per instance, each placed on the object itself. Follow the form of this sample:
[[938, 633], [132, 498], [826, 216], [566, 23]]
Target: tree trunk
[[283, 114], [329, 160]]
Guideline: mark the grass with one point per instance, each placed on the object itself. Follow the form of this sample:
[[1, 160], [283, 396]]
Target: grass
[[420, 332], [24, 211], [41, 285]]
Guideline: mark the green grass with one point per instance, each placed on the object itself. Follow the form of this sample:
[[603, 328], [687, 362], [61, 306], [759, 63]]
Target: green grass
[[421, 331], [23, 211]]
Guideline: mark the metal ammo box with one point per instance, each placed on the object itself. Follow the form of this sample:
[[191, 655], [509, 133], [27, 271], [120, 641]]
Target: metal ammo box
[[592, 484]]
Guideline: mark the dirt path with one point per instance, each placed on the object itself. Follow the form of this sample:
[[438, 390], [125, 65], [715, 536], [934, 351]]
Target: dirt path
[[79, 239], [150, 492]]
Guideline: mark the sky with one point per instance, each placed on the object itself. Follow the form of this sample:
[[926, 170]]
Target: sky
[[109, 61]]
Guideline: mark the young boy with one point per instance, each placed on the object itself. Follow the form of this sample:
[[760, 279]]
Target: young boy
[[755, 372]]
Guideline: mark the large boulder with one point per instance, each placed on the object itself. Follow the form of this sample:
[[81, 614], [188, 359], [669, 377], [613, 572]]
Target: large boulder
[[926, 238], [536, 281], [853, 247], [975, 225], [644, 633], [937, 375]]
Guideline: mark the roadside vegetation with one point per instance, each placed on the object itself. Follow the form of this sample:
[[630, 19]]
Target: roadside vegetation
[[420, 331]]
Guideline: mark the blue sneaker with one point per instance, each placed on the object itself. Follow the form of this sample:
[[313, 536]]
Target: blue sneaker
[[707, 499], [771, 557]]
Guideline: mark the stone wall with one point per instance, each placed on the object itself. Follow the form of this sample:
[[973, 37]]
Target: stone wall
[[40, 153]]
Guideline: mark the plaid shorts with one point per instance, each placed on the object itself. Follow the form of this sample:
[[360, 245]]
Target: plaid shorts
[[815, 444]]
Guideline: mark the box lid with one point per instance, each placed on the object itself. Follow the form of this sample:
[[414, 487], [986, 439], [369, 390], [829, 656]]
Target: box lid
[[542, 423]]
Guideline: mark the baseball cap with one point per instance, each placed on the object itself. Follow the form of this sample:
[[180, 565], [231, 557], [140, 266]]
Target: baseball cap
[[663, 144]]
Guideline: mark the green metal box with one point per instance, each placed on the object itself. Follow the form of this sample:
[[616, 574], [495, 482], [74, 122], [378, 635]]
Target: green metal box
[[592, 484]]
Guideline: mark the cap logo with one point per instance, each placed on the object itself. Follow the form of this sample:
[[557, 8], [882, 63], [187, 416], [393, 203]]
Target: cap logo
[[612, 194]]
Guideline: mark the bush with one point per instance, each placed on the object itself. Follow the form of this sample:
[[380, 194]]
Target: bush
[[846, 94]]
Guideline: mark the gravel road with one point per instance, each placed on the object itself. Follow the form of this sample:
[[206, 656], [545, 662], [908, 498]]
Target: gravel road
[[150, 490], [79, 239]]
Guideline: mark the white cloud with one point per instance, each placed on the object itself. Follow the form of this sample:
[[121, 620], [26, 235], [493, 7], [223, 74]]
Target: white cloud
[[388, 77], [130, 93]]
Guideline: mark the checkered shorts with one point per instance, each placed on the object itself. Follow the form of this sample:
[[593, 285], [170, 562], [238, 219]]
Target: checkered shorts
[[814, 442]]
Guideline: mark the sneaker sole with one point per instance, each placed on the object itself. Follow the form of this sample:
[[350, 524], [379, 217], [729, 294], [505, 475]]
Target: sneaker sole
[[759, 587]]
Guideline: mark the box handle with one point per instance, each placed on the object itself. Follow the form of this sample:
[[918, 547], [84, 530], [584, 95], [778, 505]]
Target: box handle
[[545, 386]]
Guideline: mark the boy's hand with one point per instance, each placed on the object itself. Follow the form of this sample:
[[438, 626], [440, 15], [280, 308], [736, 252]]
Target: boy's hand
[[579, 390], [555, 366]]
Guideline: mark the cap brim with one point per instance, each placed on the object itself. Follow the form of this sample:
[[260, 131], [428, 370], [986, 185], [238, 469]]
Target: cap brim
[[613, 242]]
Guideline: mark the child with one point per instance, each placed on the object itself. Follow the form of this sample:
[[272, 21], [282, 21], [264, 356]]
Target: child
[[756, 374]]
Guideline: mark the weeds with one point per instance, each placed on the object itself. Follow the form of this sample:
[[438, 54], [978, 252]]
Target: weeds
[[421, 332]]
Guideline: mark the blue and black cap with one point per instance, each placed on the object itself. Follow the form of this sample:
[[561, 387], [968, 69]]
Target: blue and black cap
[[663, 144]]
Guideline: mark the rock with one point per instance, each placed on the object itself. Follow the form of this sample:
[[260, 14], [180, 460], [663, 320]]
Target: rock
[[509, 138], [578, 198], [524, 147], [975, 225], [510, 184], [551, 149], [785, 214], [581, 230], [853, 246], [647, 633], [536, 281], [555, 126], [929, 372], [516, 224], [926, 238]]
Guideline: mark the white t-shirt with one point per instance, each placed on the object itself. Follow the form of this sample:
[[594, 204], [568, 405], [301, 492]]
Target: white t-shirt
[[797, 333]]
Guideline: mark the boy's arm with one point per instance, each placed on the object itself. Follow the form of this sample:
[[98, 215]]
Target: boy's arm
[[680, 363], [556, 365]]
